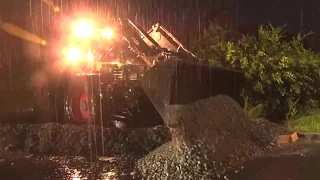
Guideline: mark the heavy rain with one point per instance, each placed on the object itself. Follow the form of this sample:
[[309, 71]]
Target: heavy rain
[[161, 89]]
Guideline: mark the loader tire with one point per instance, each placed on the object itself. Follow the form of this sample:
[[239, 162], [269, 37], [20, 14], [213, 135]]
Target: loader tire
[[49, 104], [77, 102]]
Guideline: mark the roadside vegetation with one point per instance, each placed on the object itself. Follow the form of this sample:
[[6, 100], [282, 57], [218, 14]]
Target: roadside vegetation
[[308, 122], [283, 76]]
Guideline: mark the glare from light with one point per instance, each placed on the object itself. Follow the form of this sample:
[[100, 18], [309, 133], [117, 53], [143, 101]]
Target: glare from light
[[107, 33], [84, 30], [56, 9], [43, 42], [90, 56], [74, 55]]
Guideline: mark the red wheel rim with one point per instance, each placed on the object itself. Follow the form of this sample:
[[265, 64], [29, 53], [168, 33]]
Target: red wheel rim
[[79, 107], [84, 109]]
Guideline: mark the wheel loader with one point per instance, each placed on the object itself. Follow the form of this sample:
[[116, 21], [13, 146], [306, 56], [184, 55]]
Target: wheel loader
[[128, 77]]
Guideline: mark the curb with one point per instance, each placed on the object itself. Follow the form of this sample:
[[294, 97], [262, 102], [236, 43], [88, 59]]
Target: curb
[[295, 136], [309, 135]]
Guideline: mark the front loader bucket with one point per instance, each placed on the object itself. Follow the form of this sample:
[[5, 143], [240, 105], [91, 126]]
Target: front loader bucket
[[176, 82]]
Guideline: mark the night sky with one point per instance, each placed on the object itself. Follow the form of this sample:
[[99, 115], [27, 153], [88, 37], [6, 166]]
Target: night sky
[[185, 18], [299, 15]]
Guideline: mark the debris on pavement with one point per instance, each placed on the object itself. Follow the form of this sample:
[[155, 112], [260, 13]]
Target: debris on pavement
[[294, 137], [290, 138], [108, 159], [283, 139]]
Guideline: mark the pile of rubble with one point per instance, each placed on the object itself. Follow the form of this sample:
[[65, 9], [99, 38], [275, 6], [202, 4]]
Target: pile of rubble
[[211, 137]]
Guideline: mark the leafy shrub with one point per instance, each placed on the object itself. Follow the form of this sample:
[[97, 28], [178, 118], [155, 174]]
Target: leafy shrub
[[282, 75], [253, 112], [213, 45]]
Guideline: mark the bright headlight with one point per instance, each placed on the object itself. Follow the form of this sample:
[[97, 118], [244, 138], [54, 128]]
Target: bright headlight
[[90, 56], [83, 29], [73, 54], [107, 33]]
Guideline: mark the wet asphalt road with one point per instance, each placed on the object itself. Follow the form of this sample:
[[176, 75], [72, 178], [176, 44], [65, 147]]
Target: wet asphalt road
[[294, 162], [18, 166]]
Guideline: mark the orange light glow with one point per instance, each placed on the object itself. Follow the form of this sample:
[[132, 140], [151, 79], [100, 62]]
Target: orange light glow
[[56, 9], [107, 33], [83, 30], [73, 55], [90, 56]]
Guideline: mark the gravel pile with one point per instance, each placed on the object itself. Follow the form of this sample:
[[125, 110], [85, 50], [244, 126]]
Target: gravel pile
[[268, 132], [74, 140], [211, 138], [208, 139]]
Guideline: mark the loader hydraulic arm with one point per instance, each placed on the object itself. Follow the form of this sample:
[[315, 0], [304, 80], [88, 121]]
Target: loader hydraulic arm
[[135, 36], [152, 46], [166, 40]]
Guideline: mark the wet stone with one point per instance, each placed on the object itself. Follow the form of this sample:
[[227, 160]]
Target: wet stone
[[210, 138], [74, 140]]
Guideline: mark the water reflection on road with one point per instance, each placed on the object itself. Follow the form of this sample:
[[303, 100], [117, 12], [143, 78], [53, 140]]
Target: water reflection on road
[[296, 162], [16, 166], [301, 162]]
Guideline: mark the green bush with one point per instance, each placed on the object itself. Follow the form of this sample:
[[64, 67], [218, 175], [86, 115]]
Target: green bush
[[253, 112], [281, 75], [214, 45]]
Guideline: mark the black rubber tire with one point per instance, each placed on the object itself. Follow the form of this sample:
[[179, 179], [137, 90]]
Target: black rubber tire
[[48, 103]]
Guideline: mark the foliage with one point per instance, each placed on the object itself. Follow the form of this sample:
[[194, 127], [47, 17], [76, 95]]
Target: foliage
[[253, 112], [213, 45], [281, 75], [310, 122]]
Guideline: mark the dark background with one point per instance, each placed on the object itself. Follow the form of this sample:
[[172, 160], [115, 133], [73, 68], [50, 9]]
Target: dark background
[[179, 16], [184, 18]]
